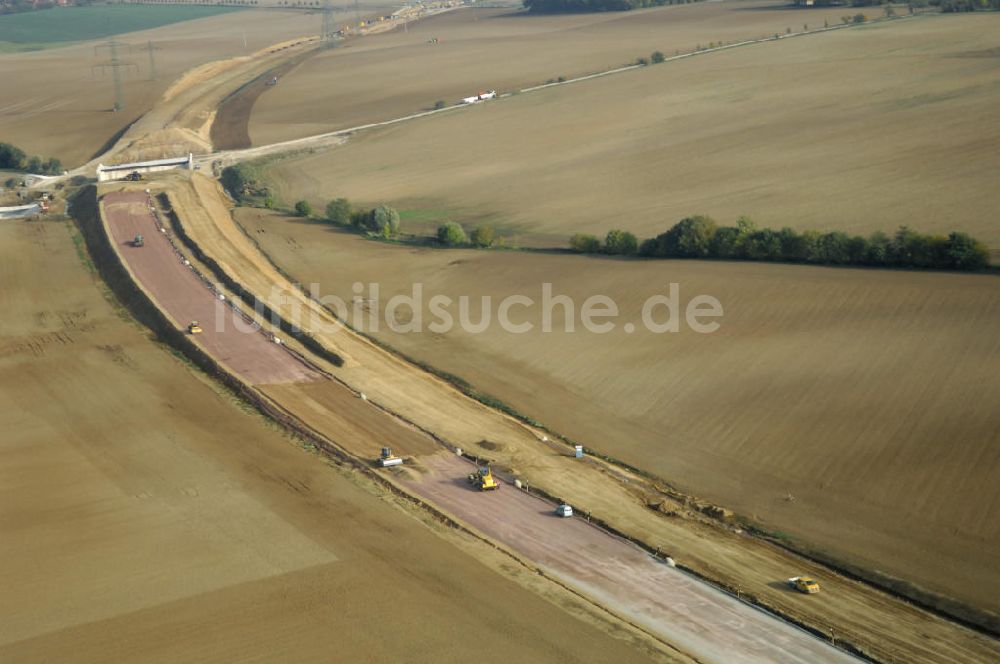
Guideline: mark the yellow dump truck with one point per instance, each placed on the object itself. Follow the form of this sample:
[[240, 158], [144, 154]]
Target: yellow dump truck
[[804, 584]]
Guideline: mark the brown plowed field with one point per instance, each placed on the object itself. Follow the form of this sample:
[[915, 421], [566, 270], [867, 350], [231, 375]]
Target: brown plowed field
[[868, 397], [856, 130], [393, 75], [145, 517], [61, 107]]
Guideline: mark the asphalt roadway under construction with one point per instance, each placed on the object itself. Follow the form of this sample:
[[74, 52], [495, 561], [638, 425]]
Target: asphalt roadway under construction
[[693, 616]]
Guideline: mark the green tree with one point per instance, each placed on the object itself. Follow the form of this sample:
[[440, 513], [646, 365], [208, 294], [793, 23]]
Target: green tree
[[483, 236], [966, 253], [620, 243], [303, 209], [657, 57], [691, 237], [11, 157], [451, 234], [879, 250], [338, 211], [585, 244], [857, 250], [763, 245], [833, 248], [34, 165], [727, 242], [384, 221], [242, 181]]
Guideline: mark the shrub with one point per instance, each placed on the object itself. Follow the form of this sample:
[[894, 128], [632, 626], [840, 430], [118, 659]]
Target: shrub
[[303, 209], [243, 183], [689, 238], [384, 221], [585, 244], [439, 104], [966, 253], [484, 236], [657, 57], [451, 234], [641, 61], [12, 157], [561, 79], [338, 211], [620, 243]]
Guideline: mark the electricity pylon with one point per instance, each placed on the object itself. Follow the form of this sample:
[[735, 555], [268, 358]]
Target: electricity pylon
[[115, 64]]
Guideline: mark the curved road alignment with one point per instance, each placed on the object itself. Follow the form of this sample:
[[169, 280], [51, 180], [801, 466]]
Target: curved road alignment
[[614, 573]]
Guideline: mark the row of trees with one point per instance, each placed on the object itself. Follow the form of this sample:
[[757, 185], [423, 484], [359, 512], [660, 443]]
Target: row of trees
[[451, 234], [383, 221], [700, 237], [380, 221], [13, 158]]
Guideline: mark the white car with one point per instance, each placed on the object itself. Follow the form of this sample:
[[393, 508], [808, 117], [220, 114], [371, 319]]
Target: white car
[[565, 511]]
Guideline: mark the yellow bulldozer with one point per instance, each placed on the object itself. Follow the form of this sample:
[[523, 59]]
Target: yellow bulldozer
[[483, 479]]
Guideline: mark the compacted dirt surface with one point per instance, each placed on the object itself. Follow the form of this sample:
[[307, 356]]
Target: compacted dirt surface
[[686, 612], [186, 298]]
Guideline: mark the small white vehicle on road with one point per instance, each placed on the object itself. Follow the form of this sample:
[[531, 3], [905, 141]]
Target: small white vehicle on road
[[482, 96]]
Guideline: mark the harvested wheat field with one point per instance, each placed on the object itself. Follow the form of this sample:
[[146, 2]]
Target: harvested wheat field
[[853, 410], [858, 130], [148, 517], [503, 49], [62, 100]]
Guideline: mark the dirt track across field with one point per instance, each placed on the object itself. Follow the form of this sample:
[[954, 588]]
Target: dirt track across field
[[686, 612], [179, 291]]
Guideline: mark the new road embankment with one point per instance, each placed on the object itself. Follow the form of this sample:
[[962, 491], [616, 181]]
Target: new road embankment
[[670, 606]]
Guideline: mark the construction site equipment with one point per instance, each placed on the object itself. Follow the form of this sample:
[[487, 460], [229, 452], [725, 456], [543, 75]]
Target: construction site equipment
[[565, 511], [804, 584], [134, 176], [483, 479], [387, 458], [194, 328], [138, 241]]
